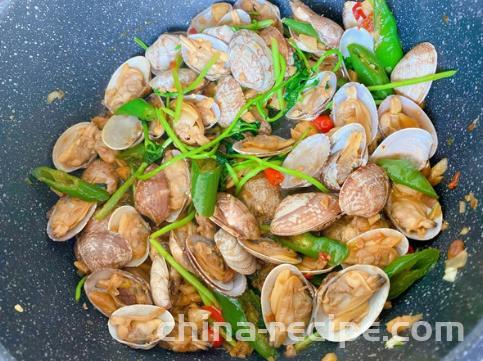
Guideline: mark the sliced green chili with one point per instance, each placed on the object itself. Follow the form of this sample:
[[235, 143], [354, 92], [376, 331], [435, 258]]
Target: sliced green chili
[[70, 185], [204, 185], [412, 81]]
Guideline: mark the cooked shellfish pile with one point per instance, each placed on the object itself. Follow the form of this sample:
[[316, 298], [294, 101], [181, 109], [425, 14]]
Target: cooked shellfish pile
[[205, 202]]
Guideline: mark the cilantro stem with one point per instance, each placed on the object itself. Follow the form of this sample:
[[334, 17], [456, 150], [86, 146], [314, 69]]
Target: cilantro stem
[[232, 174], [141, 43], [254, 25], [307, 341], [179, 89], [300, 53], [324, 56], [170, 132], [178, 224], [412, 81], [249, 176], [78, 288]]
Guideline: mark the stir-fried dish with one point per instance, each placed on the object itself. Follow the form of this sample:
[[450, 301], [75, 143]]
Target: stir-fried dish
[[254, 169]]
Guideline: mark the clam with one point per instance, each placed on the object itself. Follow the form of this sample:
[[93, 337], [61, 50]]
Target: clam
[[234, 254], [68, 217], [207, 108], [358, 36], [350, 302], [235, 17], [397, 112], [314, 266], [287, 305], [261, 10], [347, 227], [159, 282], [273, 33], [122, 132], [365, 21], [208, 262], [419, 61], [251, 61], [140, 326], [318, 92], [198, 49], [156, 129], [365, 191], [189, 127], [224, 32], [209, 17], [304, 212], [416, 215], [230, 99], [234, 217], [348, 152], [353, 103], [261, 197], [263, 145], [164, 81], [162, 53], [413, 144], [100, 172], [128, 82], [179, 184], [270, 251], [75, 148], [377, 247], [177, 244], [329, 31], [151, 197], [348, 18], [130, 225], [110, 289], [309, 157]]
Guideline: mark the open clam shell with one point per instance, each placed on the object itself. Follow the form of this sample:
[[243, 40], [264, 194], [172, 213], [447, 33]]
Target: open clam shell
[[69, 147], [209, 17], [419, 61], [365, 191], [304, 212], [63, 231], [235, 17], [159, 282], [207, 108], [235, 256], [198, 49], [348, 152], [266, 295], [413, 144], [359, 252], [129, 224], [262, 10], [260, 145], [319, 91], [353, 103], [309, 157], [230, 99], [128, 82], [224, 32], [164, 81], [95, 292], [177, 244], [413, 111], [270, 251], [178, 177], [251, 61], [162, 53], [234, 287], [139, 312], [234, 217], [122, 132], [355, 36], [324, 322]]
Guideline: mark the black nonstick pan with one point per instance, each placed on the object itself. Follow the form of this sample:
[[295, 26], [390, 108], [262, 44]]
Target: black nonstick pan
[[76, 45]]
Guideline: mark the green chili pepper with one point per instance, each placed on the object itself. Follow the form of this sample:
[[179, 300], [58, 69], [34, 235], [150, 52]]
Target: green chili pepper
[[368, 68], [407, 269], [204, 185], [388, 45], [234, 314], [402, 171], [70, 185], [251, 303], [313, 246], [139, 108], [301, 27]]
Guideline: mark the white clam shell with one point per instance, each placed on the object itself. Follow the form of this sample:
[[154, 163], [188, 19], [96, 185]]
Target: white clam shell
[[363, 95], [235, 17], [122, 132], [138, 62], [163, 330], [179, 181], [234, 254], [414, 144], [159, 282], [323, 323], [309, 156], [414, 111], [251, 61], [230, 99], [162, 53], [358, 36], [69, 136], [113, 224], [223, 32], [267, 288], [419, 61], [209, 17]]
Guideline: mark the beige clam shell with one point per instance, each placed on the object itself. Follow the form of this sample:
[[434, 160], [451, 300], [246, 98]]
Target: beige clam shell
[[178, 176], [162, 53], [304, 212], [209, 17], [230, 98], [122, 132], [365, 191], [269, 258], [159, 282], [234, 254]]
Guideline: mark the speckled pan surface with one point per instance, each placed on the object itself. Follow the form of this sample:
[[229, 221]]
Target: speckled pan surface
[[75, 46]]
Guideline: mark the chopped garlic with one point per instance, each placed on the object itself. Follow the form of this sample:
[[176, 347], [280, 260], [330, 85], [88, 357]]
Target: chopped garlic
[[55, 95], [464, 231], [402, 323], [462, 207], [329, 357], [395, 341], [18, 308], [452, 265], [472, 200]]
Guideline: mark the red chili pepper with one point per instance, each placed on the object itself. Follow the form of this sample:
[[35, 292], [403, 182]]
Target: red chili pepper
[[192, 31], [411, 249], [323, 123], [455, 180], [273, 176], [215, 338], [358, 11], [368, 24], [308, 276], [215, 314]]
